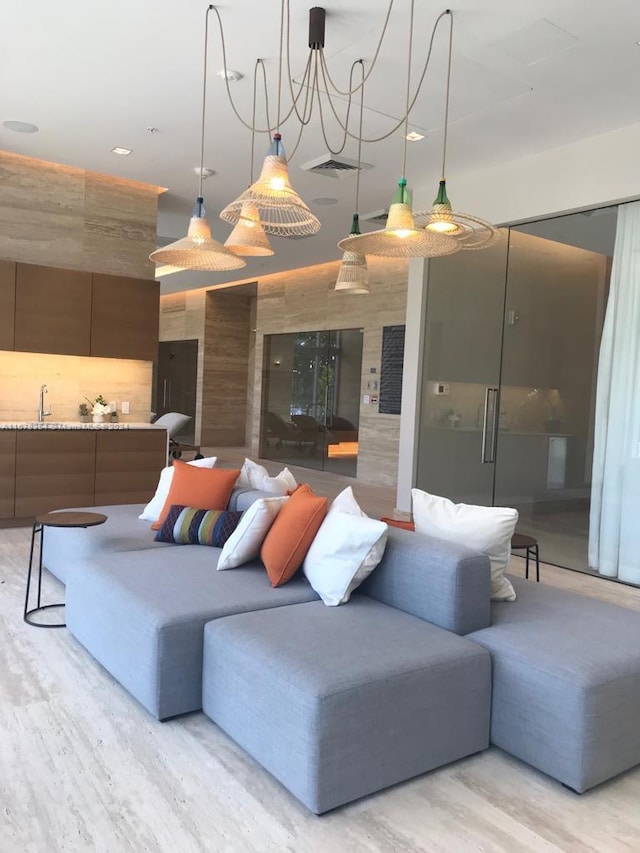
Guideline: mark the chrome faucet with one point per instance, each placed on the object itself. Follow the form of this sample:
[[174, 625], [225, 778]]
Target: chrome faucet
[[41, 412]]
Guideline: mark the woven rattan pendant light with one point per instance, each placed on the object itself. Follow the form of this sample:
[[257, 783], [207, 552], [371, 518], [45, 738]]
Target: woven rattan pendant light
[[401, 238], [467, 231], [248, 237], [353, 275], [280, 209], [198, 250]]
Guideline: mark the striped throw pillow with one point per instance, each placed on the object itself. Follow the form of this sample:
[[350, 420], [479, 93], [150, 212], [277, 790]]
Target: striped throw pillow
[[185, 525]]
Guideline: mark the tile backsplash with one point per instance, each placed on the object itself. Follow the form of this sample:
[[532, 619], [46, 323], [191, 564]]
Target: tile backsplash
[[70, 379]]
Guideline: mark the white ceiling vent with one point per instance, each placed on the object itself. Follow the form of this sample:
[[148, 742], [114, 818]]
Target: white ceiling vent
[[334, 166], [377, 216]]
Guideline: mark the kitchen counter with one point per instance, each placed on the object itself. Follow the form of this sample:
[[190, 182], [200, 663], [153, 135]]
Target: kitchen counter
[[71, 425]]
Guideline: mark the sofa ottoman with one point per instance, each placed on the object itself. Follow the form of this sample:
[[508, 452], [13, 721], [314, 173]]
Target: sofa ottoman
[[339, 702], [566, 683], [142, 614]]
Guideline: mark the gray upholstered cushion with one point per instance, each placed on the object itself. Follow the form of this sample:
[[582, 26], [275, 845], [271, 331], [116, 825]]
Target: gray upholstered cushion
[[338, 702], [141, 615], [566, 683], [446, 584], [64, 549]]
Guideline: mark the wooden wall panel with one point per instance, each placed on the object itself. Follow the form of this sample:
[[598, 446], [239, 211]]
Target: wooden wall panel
[[53, 310], [55, 469], [226, 366], [128, 464], [7, 473], [125, 317], [7, 304]]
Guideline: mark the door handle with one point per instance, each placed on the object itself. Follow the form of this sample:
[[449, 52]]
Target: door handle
[[169, 389], [494, 426], [489, 442], [164, 393]]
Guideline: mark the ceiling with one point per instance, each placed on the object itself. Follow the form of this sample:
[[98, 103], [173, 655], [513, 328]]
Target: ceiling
[[527, 75]]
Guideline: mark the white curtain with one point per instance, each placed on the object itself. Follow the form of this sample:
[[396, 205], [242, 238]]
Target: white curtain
[[614, 530]]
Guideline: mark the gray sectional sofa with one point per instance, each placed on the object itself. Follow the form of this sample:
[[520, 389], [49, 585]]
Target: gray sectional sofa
[[419, 669]]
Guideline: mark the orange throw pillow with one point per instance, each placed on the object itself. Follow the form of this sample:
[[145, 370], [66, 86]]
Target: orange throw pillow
[[291, 534], [201, 488], [396, 522]]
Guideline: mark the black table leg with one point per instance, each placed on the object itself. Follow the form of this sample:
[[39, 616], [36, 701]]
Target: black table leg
[[28, 614]]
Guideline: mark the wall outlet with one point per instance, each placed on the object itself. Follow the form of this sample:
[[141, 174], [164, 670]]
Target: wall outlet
[[125, 407], [440, 389], [366, 399]]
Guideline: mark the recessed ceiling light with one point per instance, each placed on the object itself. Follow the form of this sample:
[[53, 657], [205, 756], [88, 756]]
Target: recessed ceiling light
[[325, 200], [230, 75], [21, 126], [414, 136], [123, 152]]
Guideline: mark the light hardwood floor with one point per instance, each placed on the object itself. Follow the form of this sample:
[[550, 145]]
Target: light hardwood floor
[[84, 768]]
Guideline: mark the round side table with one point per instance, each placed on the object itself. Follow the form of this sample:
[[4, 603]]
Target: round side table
[[524, 542], [52, 519]]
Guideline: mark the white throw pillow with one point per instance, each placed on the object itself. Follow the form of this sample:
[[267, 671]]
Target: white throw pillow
[[346, 502], [246, 540], [346, 549], [153, 509], [255, 476], [484, 528]]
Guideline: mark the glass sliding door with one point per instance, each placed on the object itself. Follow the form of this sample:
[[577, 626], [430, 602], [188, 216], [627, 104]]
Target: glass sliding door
[[556, 295], [311, 399], [512, 340], [461, 375]]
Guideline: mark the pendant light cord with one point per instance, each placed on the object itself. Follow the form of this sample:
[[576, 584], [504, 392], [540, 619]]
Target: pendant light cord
[[361, 61], [282, 8], [408, 100], [448, 87], [204, 96]]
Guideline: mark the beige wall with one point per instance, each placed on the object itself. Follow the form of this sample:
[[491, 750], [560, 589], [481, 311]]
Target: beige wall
[[304, 300], [60, 216], [70, 379], [231, 329], [64, 217], [225, 368]]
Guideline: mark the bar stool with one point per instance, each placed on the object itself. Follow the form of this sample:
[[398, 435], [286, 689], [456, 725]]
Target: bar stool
[[524, 542]]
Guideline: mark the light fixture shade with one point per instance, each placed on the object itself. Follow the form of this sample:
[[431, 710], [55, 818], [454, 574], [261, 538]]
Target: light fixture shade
[[248, 237], [400, 238], [353, 276], [279, 207], [198, 250], [469, 232]]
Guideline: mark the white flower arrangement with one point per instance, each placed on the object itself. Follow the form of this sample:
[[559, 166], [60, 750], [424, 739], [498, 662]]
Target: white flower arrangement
[[99, 406]]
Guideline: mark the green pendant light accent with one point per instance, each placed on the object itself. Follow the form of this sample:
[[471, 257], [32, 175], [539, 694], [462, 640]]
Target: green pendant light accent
[[465, 230]]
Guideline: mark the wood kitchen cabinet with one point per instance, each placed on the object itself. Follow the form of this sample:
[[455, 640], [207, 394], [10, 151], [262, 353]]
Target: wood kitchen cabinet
[[125, 317], [52, 310], [127, 465], [7, 473], [7, 304], [55, 469]]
